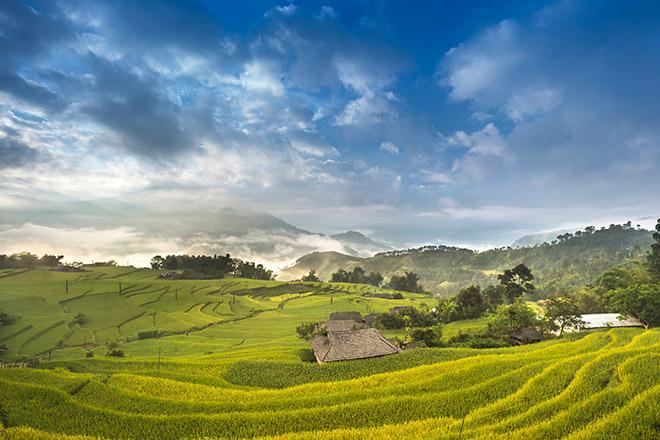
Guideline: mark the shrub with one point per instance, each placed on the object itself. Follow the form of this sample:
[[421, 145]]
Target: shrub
[[115, 352], [307, 330], [146, 334], [430, 336]]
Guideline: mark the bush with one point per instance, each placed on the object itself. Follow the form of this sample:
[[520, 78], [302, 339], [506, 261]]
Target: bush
[[307, 330], [89, 354], [430, 336], [146, 334], [115, 352]]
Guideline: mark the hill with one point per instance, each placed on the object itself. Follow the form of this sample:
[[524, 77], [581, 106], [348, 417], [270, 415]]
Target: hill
[[573, 261], [219, 359]]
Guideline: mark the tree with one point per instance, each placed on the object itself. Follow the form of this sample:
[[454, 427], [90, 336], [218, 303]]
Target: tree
[[157, 262], [641, 301], [494, 295], [357, 276], [5, 319], [409, 282], [470, 303], [311, 276], [654, 256], [307, 330], [516, 282], [564, 312], [510, 318], [341, 276], [429, 336]]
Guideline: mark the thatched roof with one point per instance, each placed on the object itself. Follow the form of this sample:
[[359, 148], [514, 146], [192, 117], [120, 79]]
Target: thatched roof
[[346, 316], [340, 325], [353, 344], [400, 309], [526, 336]]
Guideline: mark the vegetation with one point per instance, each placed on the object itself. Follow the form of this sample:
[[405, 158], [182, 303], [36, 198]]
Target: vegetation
[[216, 266], [560, 266], [358, 275], [408, 282], [124, 353]]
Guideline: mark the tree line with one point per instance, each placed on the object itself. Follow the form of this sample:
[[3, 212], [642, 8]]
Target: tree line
[[216, 266], [408, 282], [26, 260]]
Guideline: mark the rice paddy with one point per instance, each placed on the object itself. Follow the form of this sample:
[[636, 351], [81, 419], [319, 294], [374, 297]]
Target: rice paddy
[[220, 359]]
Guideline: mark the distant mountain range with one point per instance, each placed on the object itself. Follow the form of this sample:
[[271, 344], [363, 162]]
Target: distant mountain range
[[559, 266]]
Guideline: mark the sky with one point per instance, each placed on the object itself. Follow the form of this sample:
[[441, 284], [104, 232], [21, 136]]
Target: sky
[[138, 124]]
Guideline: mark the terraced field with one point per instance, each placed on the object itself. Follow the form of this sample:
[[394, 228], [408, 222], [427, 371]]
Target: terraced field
[[238, 373]]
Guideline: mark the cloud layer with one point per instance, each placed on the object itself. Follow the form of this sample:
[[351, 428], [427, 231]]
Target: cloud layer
[[333, 117]]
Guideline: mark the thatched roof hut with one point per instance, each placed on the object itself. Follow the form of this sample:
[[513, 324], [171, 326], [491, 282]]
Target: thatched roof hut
[[352, 344], [346, 316]]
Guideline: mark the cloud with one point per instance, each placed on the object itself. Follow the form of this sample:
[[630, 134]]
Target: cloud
[[531, 102], [483, 147], [474, 69], [389, 147], [148, 122], [259, 77], [15, 154]]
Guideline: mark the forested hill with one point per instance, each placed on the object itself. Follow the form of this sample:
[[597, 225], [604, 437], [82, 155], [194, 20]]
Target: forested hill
[[571, 260]]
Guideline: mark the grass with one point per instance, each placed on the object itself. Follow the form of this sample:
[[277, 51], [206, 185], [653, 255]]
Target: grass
[[224, 362]]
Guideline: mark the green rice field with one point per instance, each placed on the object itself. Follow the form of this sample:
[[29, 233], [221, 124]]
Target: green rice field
[[210, 359]]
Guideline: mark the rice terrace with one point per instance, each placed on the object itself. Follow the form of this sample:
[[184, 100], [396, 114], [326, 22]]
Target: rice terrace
[[220, 359], [329, 219]]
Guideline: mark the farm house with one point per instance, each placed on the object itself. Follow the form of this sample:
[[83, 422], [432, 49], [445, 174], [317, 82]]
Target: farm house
[[346, 345], [347, 338], [594, 321]]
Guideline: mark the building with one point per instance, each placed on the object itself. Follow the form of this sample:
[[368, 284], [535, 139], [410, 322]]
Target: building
[[594, 321], [344, 345]]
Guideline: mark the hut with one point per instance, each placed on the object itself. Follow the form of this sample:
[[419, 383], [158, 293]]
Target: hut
[[528, 335], [346, 316], [352, 344], [594, 321]]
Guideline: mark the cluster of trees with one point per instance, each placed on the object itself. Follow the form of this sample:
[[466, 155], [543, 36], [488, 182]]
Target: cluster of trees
[[473, 302], [358, 275], [408, 282], [26, 260], [216, 266]]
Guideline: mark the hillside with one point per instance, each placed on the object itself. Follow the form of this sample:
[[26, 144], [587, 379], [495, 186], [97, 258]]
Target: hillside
[[220, 359], [559, 265]]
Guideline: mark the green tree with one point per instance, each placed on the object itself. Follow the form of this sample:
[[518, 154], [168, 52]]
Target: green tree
[[307, 330], [563, 311], [470, 303], [654, 256], [516, 282], [641, 301], [510, 318], [157, 262], [311, 276], [429, 336], [409, 282], [341, 276]]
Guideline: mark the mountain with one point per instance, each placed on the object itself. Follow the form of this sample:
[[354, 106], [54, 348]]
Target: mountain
[[129, 228], [571, 262], [540, 238], [360, 244]]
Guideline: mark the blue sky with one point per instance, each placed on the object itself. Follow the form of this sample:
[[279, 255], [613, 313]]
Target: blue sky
[[469, 122]]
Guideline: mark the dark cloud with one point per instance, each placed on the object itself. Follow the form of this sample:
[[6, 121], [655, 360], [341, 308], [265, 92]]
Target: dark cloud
[[27, 33], [132, 107], [30, 92], [15, 154]]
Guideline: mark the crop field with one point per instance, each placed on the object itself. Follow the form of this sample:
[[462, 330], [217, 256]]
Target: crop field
[[220, 359]]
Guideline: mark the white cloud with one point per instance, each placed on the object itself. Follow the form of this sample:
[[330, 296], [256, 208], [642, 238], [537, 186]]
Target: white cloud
[[389, 147], [326, 12], [531, 102], [286, 10], [257, 76], [483, 146], [478, 66]]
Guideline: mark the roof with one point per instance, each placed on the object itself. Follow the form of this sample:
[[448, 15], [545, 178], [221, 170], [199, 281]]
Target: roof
[[340, 325], [527, 335], [346, 316], [602, 320], [399, 309], [353, 344]]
